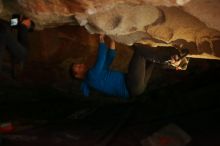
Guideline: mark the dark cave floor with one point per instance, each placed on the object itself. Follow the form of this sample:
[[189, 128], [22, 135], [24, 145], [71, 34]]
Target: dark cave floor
[[64, 127], [47, 112]]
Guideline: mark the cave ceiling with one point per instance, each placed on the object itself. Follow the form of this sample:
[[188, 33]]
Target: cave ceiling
[[194, 24]]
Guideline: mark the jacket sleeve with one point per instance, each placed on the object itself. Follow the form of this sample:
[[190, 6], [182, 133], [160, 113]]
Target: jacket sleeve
[[101, 58]]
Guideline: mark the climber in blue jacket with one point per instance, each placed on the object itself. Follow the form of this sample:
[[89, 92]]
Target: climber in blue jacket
[[115, 83]]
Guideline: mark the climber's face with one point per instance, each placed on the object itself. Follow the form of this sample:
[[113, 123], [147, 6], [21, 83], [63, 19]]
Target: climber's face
[[79, 70]]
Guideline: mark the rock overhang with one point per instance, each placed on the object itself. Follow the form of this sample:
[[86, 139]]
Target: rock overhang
[[156, 22]]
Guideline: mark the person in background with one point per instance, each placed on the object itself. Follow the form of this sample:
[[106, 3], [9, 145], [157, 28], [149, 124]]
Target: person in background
[[16, 47], [125, 85]]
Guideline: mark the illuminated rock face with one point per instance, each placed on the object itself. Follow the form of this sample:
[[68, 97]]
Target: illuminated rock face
[[205, 10], [193, 24]]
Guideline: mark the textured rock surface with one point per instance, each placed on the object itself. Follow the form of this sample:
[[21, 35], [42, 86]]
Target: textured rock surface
[[184, 30], [124, 19], [192, 24], [205, 10]]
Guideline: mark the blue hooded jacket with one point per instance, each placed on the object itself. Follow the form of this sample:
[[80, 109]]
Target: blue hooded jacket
[[101, 78]]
